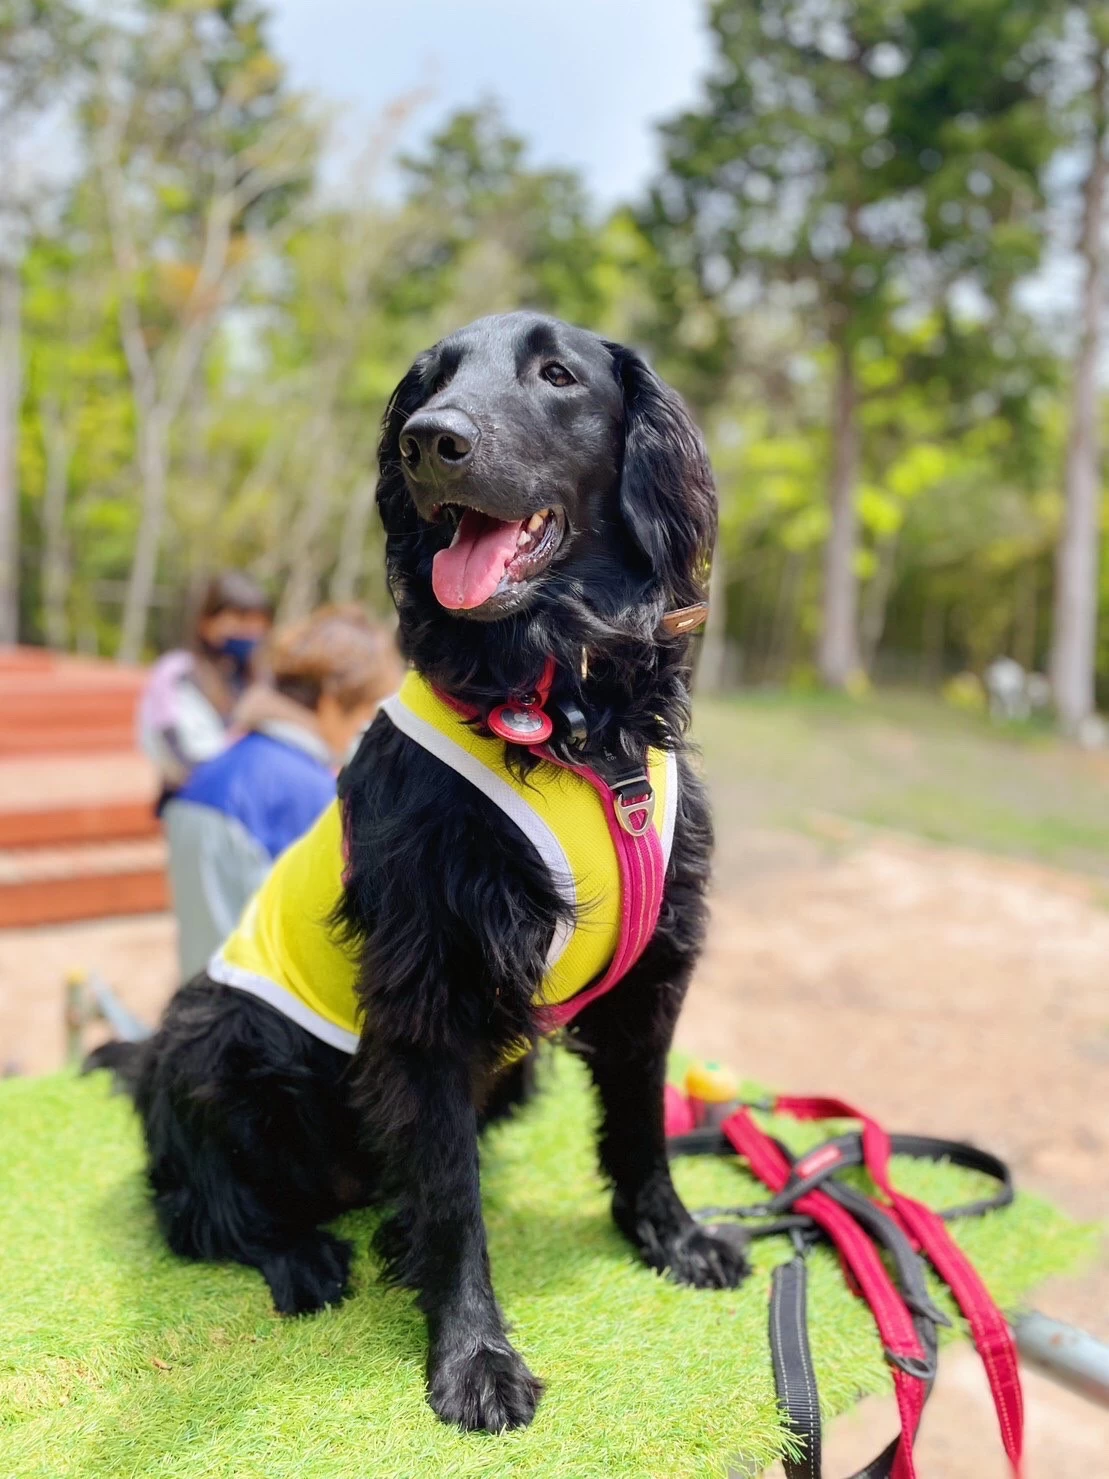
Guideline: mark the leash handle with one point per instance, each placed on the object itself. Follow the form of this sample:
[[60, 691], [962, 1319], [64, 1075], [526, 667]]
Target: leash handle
[[900, 1337], [795, 1377], [808, 1202], [989, 1329]]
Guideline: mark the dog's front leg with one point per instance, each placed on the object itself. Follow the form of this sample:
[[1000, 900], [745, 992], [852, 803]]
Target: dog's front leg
[[625, 1038], [424, 1117]]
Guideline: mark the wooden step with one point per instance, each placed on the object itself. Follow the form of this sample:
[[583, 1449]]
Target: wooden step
[[65, 739], [78, 836], [95, 881], [93, 821], [55, 704]]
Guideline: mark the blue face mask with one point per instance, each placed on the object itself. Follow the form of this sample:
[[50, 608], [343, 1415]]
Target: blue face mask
[[240, 650]]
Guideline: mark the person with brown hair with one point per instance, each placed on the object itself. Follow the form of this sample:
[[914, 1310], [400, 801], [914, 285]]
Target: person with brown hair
[[323, 680], [186, 709]]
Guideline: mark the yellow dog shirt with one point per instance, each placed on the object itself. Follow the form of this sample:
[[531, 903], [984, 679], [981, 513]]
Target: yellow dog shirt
[[285, 949]]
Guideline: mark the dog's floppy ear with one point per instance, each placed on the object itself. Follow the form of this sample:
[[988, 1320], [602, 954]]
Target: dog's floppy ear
[[398, 512], [667, 494]]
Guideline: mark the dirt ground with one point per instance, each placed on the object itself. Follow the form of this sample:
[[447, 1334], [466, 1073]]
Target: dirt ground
[[945, 990]]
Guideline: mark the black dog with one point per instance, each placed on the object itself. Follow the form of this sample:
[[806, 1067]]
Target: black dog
[[258, 1133]]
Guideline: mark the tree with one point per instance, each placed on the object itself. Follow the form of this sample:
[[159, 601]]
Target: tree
[[199, 155], [77, 438], [35, 49], [853, 157], [475, 200], [1074, 643]]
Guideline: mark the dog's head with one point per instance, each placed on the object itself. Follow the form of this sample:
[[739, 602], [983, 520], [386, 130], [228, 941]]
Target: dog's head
[[530, 469]]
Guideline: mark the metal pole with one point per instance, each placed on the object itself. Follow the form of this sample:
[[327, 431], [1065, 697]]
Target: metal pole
[[88, 998], [1069, 1356], [123, 1023]]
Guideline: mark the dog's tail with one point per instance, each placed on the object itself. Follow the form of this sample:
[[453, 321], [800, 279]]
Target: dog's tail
[[124, 1059]]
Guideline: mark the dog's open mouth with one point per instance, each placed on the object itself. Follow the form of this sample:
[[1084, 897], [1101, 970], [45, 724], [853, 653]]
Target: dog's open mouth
[[491, 557]]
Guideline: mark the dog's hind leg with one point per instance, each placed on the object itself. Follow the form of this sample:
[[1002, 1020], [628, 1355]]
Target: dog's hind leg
[[223, 1219], [252, 1144]]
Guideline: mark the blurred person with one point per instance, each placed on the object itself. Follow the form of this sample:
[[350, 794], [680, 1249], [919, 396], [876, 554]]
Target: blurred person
[[187, 707], [325, 677]]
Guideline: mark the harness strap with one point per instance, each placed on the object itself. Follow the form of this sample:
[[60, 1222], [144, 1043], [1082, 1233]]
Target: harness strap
[[912, 1364], [642, 876], [639, 857], [989, 1329]]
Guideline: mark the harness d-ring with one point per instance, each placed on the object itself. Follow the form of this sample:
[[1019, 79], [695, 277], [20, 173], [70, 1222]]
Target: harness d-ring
[[633, 800]]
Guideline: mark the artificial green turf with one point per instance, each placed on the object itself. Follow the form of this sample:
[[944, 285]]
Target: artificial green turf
[[117, 1359]]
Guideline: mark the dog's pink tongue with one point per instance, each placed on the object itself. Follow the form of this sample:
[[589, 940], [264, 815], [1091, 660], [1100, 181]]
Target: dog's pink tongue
[[467, 574]]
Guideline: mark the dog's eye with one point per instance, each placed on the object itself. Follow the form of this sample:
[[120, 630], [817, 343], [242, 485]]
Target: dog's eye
[[442, 378], [556, 374]]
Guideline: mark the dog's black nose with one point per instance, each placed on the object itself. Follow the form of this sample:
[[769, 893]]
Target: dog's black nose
[[437, 444]]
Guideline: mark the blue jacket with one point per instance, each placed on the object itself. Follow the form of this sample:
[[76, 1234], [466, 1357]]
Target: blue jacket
[[273, 788], [230, 820]]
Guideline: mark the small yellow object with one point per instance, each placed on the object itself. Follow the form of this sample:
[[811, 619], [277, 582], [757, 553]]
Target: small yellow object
[[711, 1083]]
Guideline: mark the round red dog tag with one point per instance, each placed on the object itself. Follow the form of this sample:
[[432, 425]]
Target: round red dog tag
[[521, 724]]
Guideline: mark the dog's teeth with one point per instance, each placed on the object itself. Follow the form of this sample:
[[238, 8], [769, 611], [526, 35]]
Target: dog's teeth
[[536, 520], [523, 539]]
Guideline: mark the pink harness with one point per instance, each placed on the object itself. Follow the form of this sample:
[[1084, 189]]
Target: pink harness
[[629, 811]]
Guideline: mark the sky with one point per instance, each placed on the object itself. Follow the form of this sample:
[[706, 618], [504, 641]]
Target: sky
[[583, 80]]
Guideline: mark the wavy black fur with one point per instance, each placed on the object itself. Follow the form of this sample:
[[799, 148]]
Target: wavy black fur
[[257, 1132]]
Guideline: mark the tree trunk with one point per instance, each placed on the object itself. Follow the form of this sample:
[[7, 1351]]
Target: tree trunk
[[11, 399], [352, 548], [55, 546], [153, 456], [932, 642], [713, 658], [302, 580], [838, 657], [1074, 636], [1024, 620], [873, 622]]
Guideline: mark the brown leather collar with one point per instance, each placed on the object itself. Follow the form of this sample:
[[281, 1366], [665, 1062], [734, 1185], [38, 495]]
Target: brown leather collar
[[685, 619]]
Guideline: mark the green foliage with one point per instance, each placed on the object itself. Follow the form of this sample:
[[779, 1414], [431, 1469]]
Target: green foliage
[[839, 141], [861, 196], [474, 195], [854, 181]]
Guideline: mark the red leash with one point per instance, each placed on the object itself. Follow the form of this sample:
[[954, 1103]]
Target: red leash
[[990, 1331], [895, 1324], [806, 1191]]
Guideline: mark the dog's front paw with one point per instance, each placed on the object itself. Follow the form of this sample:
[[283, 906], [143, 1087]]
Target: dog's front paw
[[483, 1388], [706, 1257]]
